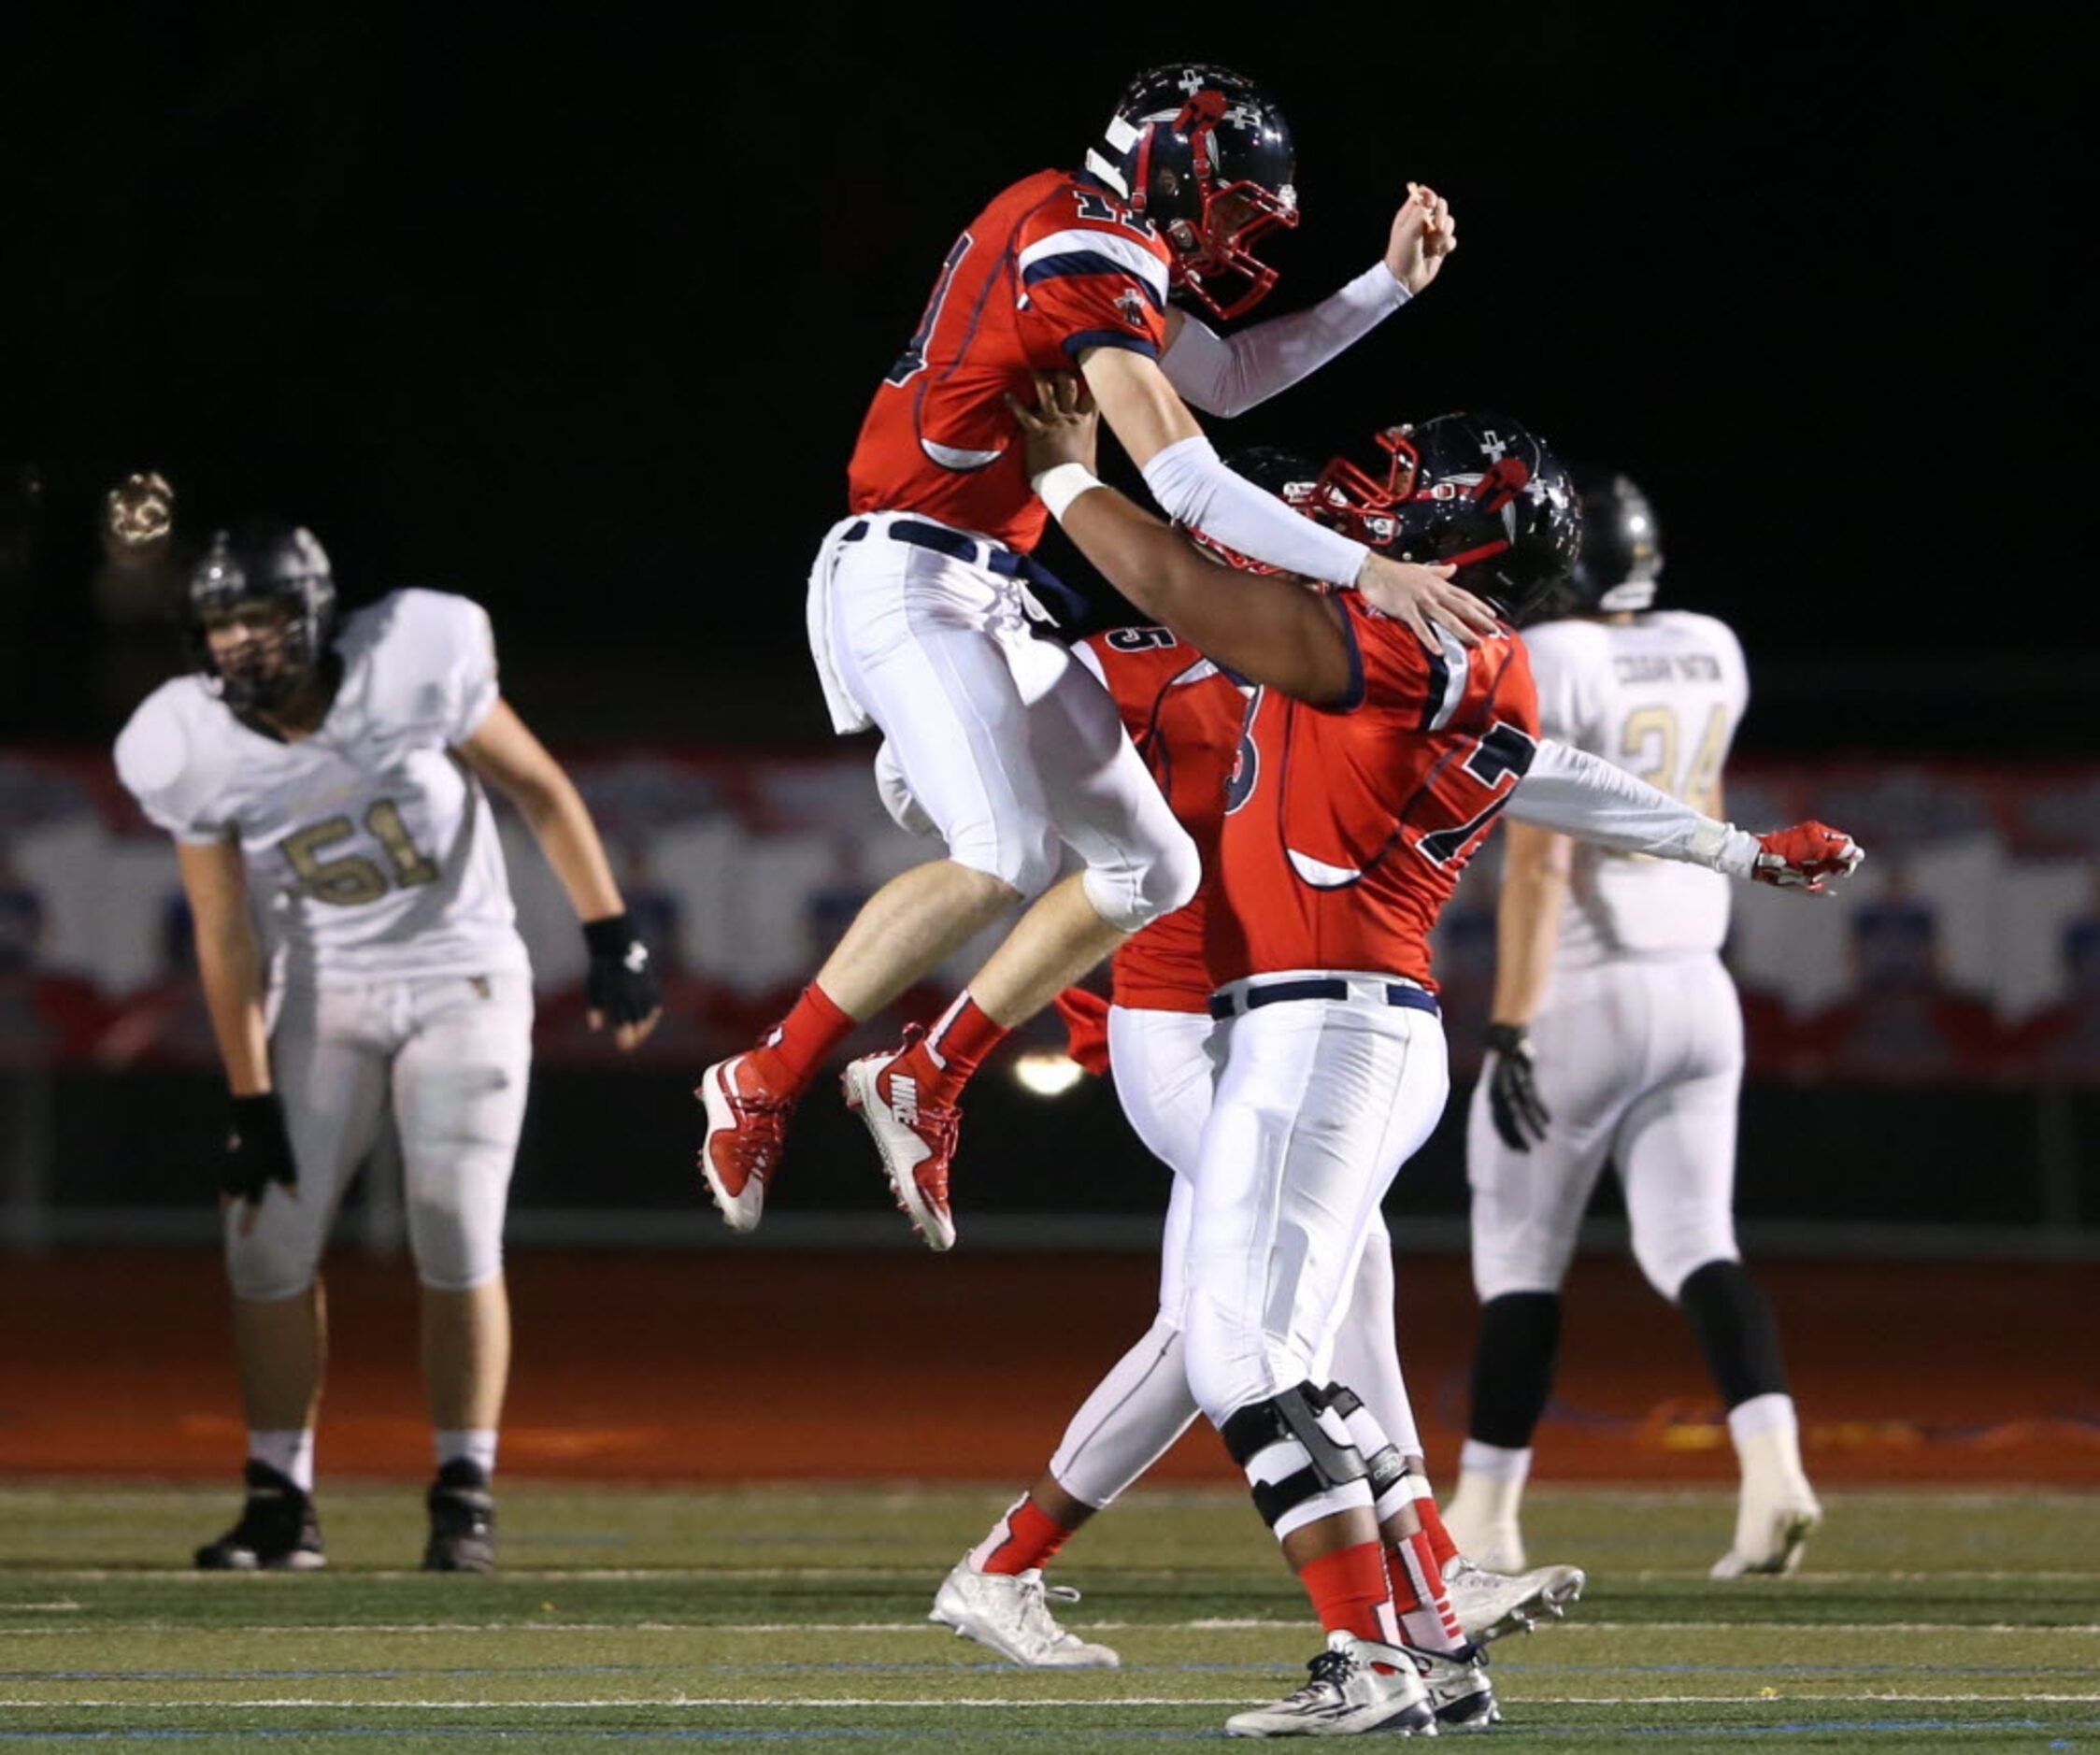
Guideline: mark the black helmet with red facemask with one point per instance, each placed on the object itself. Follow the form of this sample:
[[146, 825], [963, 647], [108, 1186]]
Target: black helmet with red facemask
[[1479, 492], [1340, 496], [1203, 155]]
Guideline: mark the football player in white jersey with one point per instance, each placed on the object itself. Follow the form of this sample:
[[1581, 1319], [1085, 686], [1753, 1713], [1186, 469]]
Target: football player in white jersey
[[356, 949], [1617, 1035]]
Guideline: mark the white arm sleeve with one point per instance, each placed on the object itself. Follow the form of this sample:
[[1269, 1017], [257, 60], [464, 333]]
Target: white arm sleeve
[[1195, 488], [1580, 794], [1229, 375]]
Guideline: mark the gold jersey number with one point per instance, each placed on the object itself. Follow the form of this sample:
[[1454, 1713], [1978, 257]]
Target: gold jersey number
[[1652, 745], [353, 878]]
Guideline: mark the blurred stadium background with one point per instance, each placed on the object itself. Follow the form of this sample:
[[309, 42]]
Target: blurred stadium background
[[578, 317]]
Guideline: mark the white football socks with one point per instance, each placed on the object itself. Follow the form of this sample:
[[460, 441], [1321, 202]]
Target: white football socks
[[1767, 1433], [290, 1453], [478, 1447]]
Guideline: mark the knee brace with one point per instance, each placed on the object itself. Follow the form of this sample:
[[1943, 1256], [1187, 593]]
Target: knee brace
[[1298, 1459], [1136, 891], [1384, 1468]]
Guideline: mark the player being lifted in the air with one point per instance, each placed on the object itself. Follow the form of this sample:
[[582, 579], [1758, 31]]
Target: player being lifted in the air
[[920, 604], [354, 940], [1617, 1033]]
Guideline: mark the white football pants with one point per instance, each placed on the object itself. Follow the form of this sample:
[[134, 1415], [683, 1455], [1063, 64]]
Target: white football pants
[[1639, 1061], [451, 1057], [1164, 1075], [1006, 742]]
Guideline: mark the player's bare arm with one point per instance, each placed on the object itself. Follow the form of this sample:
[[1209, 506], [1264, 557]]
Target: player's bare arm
[[1269, 628], [1535, 875], [230, 970], [1535, 864], [229, 961], [1148, 418], [505, 753]]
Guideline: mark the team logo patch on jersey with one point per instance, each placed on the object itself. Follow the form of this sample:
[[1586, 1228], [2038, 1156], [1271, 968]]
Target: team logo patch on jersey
[[1132, 304]]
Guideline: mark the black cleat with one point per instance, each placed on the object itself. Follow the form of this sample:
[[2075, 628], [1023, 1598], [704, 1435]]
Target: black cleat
[[463, 1520], [277, 1531]]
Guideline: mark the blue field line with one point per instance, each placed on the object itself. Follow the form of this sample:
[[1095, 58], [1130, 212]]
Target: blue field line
[[1783, 1669], [758, 1734], [393, 1674], [869, 1733], [1873, 1726]]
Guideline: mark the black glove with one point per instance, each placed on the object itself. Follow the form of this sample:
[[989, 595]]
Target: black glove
[[1512, 1092], [258, 1149], [621, 986]]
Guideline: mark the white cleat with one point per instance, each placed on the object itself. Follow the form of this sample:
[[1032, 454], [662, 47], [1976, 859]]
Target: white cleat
[[1347, 1696], [1769, 1537], [1008, 1612], [1493, 1604], [1460, 1694], [1498, 1546]]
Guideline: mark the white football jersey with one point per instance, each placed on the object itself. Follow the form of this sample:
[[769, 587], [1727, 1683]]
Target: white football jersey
[[370, 849], [1661, 696]]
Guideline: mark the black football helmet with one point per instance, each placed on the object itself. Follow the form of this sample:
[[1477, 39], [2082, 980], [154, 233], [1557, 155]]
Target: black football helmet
[[1621, 548], [268, 562], [1203, 155], [1479, 492]]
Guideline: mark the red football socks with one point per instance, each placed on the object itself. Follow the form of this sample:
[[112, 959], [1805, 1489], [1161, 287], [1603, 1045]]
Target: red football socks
[[796, 1048], [1024, 1539], [1352, 1594], [1420, 1598], [952, 1051], [1440, 1543]]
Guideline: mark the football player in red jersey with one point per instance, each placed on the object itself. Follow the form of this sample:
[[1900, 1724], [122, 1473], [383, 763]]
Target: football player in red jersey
[[921, 607], [1369, 772], [1184, 715]]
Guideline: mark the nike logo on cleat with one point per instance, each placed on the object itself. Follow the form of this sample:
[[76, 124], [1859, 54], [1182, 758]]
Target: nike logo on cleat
[[903, 1100]]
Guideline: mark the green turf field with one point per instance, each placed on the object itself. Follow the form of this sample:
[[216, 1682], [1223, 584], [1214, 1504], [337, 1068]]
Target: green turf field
[[634, 1618]]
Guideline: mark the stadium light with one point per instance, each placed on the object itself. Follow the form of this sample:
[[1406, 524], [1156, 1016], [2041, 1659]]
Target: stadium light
[[1043, 1074]]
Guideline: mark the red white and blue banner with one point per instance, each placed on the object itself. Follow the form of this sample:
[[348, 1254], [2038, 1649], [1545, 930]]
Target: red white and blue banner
[[1968, 950]]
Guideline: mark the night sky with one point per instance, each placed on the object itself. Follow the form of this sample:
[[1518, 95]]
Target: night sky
[[582, 318]]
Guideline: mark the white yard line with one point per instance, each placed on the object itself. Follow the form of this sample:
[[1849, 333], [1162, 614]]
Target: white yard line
[[1804, 1582], [743, 1702], [768, 1629]]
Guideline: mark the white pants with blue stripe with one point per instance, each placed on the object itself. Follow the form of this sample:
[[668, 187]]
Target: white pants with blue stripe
[[1005, 741]]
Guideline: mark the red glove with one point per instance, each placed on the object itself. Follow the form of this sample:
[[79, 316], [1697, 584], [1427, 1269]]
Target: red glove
[[1808, 856], [1086, 1028]]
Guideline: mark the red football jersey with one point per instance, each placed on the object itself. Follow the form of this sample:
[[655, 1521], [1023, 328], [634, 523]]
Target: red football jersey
[[1055, 264], [1184, 715], [1346, 828]]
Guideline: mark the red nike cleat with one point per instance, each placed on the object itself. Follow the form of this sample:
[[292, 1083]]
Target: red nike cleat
[[916, 1140], [746, 1127]]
